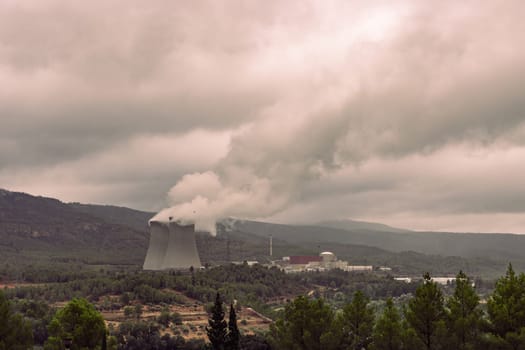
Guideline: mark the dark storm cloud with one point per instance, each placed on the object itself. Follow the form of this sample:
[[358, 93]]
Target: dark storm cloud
[[100, 73], [278, 100]]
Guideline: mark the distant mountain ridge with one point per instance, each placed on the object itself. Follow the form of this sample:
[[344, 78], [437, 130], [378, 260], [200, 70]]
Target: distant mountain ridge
[[116, 215], [350, 225], [43, 228], [40, 226], [503, 247]]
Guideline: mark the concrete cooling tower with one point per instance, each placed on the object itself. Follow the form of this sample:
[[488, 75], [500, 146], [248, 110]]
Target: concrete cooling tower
[[171, 246], [158, 242]]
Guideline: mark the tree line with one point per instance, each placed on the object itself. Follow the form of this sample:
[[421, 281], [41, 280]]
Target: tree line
[[250, 285], [427, 321]]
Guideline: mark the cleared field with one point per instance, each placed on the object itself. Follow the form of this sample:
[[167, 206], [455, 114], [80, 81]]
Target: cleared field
[[194, 319]]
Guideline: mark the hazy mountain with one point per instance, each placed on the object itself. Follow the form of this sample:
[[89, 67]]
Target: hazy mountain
[[37, 229], [116, 215], [40, 227], [503, 247], [351, 225]]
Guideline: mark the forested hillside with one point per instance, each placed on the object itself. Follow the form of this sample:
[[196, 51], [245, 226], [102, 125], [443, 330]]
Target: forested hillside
[[35, 228], [47, 231], [53, 252], [499, 248]]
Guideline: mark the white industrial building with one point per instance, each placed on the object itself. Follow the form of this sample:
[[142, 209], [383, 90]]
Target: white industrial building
[[326, 261]]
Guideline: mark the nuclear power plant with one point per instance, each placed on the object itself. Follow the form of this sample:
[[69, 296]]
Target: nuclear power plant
[[171, 246]]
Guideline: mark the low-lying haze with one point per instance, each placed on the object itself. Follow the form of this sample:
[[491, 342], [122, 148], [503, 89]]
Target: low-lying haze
[[409, 113]]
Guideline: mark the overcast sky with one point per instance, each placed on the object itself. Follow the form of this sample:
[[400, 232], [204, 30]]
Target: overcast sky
[[409, 113]]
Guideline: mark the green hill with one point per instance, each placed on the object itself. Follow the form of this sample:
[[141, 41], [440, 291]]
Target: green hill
[[495, 246], [37, 230]]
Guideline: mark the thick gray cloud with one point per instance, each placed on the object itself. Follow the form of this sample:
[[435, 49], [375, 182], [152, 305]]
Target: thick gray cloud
[[409, 113]]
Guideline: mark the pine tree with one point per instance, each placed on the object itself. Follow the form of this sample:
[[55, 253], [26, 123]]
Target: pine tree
[[358, 322], [81, 321], [388, 330], [217, 326], [15, 331], [506, 308], [233, 338], [465, 316], [104, 342], [306, 324], [426, 313], [192, 272]]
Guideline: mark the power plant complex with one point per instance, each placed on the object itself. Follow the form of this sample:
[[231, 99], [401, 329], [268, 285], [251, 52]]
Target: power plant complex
[[171, 246]]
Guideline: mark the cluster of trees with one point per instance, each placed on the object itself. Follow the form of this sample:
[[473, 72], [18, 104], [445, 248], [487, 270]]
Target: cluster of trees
[[250, 285], [149, 287], [142, 335], [15, 331], [80, 326], [345, 283], [77, 324], [222, 335], [427, 321], [226, 335]]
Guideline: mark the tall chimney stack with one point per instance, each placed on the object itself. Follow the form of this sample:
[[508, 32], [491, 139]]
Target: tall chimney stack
[[271, 246]]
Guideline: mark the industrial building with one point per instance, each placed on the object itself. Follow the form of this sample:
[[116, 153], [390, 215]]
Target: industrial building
[[324, 262]]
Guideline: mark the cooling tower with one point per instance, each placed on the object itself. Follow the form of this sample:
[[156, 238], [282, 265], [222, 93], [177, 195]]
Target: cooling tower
[[158, 242], [171, 246], [181, 252]]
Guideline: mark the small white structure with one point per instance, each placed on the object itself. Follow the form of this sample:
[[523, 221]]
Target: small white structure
[[403, 279], [247, 262], [443, 280], [359, 268]]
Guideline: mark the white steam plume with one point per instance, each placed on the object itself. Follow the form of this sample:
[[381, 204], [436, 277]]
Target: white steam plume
[[418, 88]]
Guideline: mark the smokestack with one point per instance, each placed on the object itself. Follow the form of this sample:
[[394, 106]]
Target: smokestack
[[228, 247], [172, 246], [271, 246]]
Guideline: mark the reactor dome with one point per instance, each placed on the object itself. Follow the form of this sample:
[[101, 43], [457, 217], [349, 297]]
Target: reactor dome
[[328, 257]]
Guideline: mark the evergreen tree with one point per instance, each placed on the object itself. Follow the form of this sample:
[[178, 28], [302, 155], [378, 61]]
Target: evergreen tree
[[217, 326], [306, 325], [506, 309], [234, 336], [79, 321], [388, 331], [138, 311], [15, 332], [426, 313], [358, 322], [409, 337], [192, 272], [104, 342], [465, 316]]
